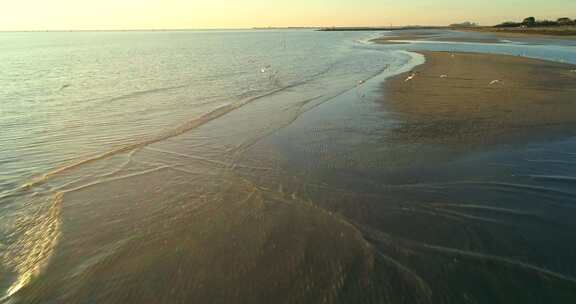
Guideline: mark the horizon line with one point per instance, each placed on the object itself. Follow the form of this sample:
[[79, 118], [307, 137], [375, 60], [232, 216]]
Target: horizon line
[[211, 29]]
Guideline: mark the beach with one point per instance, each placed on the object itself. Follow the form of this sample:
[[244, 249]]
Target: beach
[[483, 98], [288, 167]]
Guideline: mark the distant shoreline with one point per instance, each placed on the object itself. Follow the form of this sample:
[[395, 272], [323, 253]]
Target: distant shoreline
[[392, 28], [564, 31]]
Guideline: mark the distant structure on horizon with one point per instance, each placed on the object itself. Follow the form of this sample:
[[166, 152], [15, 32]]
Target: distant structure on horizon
[[385, 28], [464, 24]]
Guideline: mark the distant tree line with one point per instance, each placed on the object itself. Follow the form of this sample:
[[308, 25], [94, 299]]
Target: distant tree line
[[532, 22], [464, 24]]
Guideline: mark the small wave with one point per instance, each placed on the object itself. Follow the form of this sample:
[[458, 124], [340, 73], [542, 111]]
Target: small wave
[[464, 216], [554, 178], [181, 129], [499, 211], [409, 275], [144, 92], [551, 161], [414, 60], [484, 208], [369, 40], [517, 186], [99, 182], [199, 158], [31, 251], [381, 237], [502, 260]]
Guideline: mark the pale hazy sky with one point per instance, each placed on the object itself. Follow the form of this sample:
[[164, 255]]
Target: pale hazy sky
[[170, 14]]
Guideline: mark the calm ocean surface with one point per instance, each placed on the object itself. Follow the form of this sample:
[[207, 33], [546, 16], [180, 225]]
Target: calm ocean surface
[[149, 167], [68, 95]]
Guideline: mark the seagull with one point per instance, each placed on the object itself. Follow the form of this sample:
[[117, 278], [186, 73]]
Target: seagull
[[494, 82], [410, 77], [265, 69], [443, 76], [360, 82]]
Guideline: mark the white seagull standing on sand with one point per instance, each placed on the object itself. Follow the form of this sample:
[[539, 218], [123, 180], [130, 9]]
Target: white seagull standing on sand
[[410, 77], [494, 82], [443, 76]]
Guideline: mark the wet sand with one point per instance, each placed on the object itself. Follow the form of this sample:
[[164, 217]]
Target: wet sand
[[401, 38], [482, 98]]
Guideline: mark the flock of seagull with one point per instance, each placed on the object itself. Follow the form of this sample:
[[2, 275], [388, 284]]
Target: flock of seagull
[[493, 82], [414, 74], [411, 76]]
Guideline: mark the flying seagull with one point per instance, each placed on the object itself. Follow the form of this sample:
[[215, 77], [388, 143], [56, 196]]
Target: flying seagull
[[65, 86]]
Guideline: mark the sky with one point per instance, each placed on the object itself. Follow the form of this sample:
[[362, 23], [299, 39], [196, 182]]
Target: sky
[[191, 14]]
